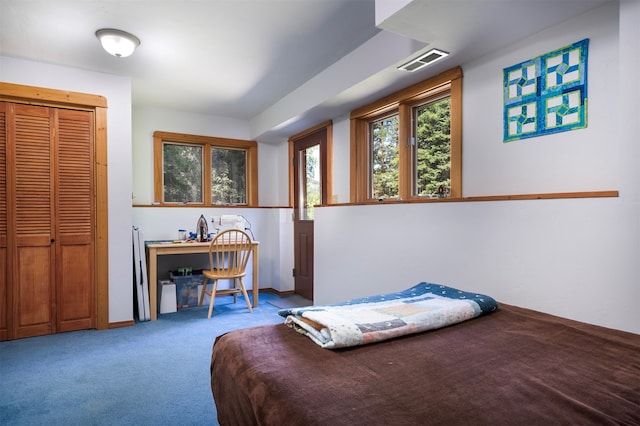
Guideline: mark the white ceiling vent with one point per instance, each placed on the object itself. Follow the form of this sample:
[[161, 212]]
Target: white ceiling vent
[[423, 60]]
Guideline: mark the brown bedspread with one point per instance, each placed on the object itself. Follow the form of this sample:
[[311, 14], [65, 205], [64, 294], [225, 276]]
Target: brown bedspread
[[515, 366]]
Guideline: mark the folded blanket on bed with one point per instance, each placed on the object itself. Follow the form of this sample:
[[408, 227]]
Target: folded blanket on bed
[[372, 319]]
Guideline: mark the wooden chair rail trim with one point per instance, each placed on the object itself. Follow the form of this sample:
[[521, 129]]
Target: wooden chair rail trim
[[545, 196]]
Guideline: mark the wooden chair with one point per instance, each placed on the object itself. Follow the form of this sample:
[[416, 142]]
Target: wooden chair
[[228, 257]]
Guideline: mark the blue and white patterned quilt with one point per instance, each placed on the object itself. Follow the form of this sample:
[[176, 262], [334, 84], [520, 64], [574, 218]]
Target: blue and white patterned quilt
[[422, 307]]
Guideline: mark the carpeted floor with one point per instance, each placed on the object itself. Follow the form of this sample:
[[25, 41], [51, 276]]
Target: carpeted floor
[[294, 301], [154, 373]]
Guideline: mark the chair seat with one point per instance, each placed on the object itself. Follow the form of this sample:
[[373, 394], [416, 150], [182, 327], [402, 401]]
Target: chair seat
[[221, 274]]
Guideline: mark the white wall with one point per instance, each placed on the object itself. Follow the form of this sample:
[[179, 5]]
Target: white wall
[[576, 258], [117, 91], [579, 160], [341, 160], [148, 120]]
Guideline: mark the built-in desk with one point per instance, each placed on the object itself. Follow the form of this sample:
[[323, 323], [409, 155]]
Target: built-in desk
[[159, 249]]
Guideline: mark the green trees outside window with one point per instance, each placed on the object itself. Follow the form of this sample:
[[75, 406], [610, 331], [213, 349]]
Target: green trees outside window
[[182, 173], [384, 157], [228, 176], [433, 147]]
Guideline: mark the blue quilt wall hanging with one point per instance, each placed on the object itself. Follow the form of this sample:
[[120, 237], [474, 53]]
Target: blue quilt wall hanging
[[547, 94]]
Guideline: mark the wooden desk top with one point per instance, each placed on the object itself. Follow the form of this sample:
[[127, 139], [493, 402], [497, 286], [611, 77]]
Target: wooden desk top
[[182, 248]]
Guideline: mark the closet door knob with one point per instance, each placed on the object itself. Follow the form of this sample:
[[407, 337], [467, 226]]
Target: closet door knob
[[53, 240]]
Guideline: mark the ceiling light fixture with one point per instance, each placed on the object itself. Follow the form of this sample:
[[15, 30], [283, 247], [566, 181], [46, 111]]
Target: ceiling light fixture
[[118, 43], [423, 60]]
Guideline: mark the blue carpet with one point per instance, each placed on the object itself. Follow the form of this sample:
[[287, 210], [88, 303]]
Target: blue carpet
[[153, 373]]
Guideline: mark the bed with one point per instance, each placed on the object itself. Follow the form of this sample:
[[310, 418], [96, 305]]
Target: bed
[[502, 367]]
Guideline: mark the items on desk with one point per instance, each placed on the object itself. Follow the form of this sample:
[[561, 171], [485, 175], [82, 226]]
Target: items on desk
[[227, 221], [202, 229]]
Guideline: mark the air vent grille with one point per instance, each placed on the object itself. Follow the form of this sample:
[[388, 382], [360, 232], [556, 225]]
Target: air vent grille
[[423, 60]]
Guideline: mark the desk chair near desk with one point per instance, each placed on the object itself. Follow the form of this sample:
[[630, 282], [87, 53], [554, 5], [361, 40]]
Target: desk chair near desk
[[228, 257], [154, 250]]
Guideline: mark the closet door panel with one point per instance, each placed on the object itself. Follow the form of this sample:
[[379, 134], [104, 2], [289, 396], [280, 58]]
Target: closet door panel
[[32, 220], [75, 300], [34, 295], [5, 316], [75, 223], [5, 312]]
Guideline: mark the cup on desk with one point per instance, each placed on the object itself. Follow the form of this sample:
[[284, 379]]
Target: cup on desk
[[182, 234]]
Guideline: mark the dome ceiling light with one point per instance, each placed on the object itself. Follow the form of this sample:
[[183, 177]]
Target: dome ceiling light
[[118, 43]]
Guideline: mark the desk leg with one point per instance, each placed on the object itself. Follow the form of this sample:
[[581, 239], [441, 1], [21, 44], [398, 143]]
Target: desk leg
[[256, 290], [152, 273]]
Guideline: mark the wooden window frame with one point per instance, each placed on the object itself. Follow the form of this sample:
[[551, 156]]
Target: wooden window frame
[[327, 181], [159, 138], [402, 102]]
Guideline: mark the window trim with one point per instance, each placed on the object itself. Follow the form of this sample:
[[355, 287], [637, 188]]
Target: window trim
[[251, 147], [402, 101]]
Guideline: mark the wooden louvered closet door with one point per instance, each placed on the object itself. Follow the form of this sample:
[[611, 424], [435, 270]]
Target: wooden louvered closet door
[[49, 210], [75, 221], [4, 304], [29, 192]]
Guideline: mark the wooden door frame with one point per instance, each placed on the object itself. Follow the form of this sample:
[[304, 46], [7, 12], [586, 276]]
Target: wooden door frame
[[17, 93], [329, 128]]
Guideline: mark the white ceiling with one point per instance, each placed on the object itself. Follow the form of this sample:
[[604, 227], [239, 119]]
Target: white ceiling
[[284, 65]]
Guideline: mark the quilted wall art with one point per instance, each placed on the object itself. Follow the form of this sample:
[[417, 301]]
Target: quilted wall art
[[546, 94]]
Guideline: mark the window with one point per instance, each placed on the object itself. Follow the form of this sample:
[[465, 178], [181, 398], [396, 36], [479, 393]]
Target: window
[[182, 173], [202, 170], [408, 145], [383, 138], [431, 138]]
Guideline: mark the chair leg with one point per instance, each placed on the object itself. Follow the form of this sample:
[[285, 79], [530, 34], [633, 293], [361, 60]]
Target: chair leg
[[235, 285], [213, 297], [246, 296], [204, 289]]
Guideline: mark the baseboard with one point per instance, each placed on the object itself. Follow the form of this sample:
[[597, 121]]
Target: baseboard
[[121, 324], [279, 293]]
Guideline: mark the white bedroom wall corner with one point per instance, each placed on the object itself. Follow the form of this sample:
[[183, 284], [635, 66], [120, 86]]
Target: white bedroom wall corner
[[629, 93], [629, 129]]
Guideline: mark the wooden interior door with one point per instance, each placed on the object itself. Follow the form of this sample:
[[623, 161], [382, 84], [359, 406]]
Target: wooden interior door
[[310, 188], [74, 239], [30, 189], [47, 220]]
